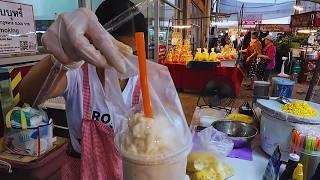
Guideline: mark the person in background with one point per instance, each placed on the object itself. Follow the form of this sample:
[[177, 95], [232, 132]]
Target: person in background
[[262, 35], [223, 39], [228, 42], [267, 59], [251, 53], [239, 44], [246, 40]]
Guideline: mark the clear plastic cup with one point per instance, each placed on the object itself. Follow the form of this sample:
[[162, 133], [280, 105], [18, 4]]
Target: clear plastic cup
[[165, 166]]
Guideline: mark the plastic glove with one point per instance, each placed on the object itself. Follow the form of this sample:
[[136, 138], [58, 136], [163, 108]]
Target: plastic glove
[[79, 36]]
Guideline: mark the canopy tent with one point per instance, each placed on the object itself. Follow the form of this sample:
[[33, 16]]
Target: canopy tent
[[269, 9]]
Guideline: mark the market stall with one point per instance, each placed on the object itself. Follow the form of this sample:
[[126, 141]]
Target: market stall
[[308, 23], [196, 79], [150, 138], [193, 72]]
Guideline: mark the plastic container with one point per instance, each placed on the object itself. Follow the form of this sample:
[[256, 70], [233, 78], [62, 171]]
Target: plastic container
[[228, 63], [282, 87], [290, 166], [209, 115], [310, 162], [276, 126], [261, 89], [169, 166]]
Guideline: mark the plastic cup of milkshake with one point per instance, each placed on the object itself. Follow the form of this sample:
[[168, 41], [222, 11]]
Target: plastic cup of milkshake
[[153, 149]]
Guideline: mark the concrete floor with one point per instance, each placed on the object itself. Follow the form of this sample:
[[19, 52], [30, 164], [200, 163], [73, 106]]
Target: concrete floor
[[189, 99]]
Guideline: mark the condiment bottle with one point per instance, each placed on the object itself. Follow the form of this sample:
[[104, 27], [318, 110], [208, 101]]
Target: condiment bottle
[[290, 167], [298, 172]]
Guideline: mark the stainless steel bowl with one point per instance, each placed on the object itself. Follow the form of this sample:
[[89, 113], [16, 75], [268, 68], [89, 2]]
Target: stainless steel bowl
[[240, 133]]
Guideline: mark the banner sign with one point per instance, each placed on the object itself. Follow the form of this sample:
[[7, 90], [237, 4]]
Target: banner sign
[[273, 27], [309, 19], [317, 20], [252, 19], [17, 29]]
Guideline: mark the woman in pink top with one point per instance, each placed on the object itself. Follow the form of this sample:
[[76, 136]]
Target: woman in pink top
[[268, 54]]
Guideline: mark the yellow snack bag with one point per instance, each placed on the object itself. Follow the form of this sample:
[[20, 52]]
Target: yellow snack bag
[[169, 56], [189, 56], [213, 55], [198, 55], [205, 54]]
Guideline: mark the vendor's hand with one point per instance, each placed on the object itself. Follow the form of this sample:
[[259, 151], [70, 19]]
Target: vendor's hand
[[79, 36], [259, 56]]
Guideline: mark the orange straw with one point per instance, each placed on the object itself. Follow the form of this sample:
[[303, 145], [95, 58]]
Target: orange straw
[[141, 51]]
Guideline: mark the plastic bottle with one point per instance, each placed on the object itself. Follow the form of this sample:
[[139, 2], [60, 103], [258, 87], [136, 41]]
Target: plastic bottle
[[290, 166], [198, 55], [205, 54], [298, 172], [213, 55]]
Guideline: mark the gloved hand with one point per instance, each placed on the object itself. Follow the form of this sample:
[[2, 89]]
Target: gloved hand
[[79, 36]]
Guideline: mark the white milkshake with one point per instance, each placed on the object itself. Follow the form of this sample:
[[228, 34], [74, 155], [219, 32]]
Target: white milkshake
[[153, 149]]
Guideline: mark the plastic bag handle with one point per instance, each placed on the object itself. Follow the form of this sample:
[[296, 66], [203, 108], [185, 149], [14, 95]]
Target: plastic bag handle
[[22, 116], [4, 163]]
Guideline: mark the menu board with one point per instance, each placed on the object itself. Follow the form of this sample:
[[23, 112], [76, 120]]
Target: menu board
[[17, 29]]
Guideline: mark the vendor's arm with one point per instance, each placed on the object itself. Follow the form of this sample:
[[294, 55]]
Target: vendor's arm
[[33, 81], [71, 38], [270, 53], [257, 50], [263, 56], [254, 54]]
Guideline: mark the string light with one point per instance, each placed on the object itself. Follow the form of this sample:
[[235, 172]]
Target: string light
[[298, 8], [306, 31], [182, 26]]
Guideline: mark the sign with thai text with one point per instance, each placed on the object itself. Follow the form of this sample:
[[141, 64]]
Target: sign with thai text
[[17, 29], [252, 19]]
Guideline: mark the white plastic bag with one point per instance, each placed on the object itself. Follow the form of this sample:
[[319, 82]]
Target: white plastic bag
[[169, 128], [216, 142], [165, 101]]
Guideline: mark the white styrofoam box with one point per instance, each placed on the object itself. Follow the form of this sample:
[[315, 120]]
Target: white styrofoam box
[[228, 63], [209, 115]]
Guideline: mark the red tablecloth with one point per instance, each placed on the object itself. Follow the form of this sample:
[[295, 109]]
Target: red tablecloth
[[196, 79]]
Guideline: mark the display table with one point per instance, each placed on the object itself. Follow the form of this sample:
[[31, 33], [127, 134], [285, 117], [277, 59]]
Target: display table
[[196, 79], [250, 170], [243, 169]]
